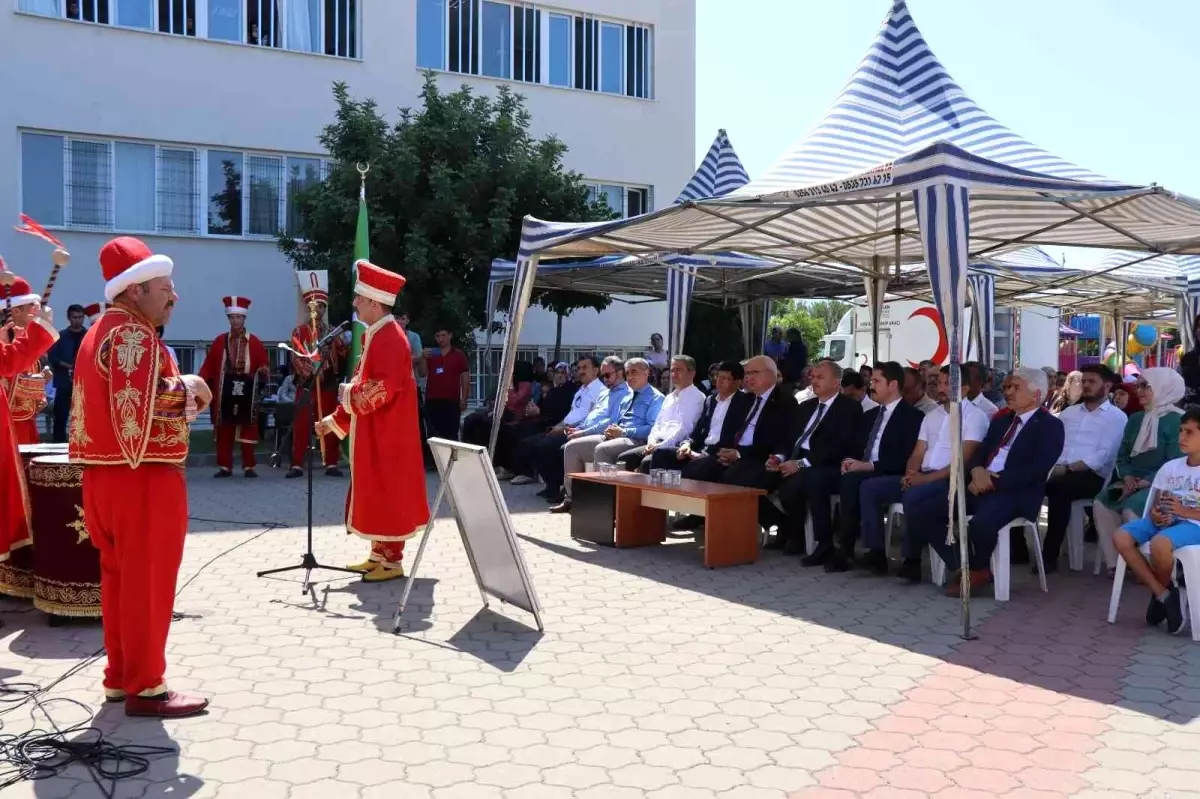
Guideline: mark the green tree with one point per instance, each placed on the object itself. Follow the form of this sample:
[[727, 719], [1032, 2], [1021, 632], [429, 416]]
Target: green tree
[[448, 186], [828, 313], [793, 313]]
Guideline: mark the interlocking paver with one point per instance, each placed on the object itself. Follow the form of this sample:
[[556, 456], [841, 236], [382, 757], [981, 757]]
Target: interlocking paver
[[655, 678]]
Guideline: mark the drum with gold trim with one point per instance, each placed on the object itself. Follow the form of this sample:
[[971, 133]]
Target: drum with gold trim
[[16, 573], [66, 566]]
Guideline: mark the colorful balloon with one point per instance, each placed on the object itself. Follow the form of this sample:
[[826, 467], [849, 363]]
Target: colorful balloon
[[1146, 335], [1132, 347]]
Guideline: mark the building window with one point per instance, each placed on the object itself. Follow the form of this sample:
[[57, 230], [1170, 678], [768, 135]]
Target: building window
[[309, 26], [625, 201], [264, 174], [263, 23], [527, 49], [142, 187], [224, 193], [341, 28], [462, 42], [497, 40], [612, 57], [637, 61], [302, 174], [177, 16], [587, 32], [134, 189], [559, 55], [89, 184], [431, 34], [42, 178], [178, 191]]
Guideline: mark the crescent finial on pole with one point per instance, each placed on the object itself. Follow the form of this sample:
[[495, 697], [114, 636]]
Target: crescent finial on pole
[[363, 169]]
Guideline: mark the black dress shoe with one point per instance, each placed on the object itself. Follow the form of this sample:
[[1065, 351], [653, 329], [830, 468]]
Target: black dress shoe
[[820, 556], [838, 562], [562, 507], [874, 561], [333, 471], [792, 546], [249, 473], [910, 570], [295, 471], [221, 473]]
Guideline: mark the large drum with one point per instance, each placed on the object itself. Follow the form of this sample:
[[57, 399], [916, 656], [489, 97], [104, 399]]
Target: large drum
[[66, 566], [16, 573]]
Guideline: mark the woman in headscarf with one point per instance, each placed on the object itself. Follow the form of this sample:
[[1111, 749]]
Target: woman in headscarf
[[1069, 394], [1125, 397], [1151, 439]]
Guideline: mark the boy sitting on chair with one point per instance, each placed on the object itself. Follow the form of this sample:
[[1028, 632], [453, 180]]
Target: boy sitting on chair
[[1173, 521]]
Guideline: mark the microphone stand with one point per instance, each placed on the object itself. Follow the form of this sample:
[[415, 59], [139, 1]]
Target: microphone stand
[[308, 561]]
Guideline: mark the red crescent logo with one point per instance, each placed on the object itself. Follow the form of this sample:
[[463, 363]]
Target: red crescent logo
[[943, 348]]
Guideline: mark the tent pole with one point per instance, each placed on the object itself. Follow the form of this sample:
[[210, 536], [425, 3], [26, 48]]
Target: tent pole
[[522, 291], [1119, 339]]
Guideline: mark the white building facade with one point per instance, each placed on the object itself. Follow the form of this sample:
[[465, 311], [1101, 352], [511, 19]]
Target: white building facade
[[189, 123]]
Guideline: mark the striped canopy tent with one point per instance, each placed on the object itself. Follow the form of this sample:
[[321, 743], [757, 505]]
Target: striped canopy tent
[[720, 275], [903, 169]]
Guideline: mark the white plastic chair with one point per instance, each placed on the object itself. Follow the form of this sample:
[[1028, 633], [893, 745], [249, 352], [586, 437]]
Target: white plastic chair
[[937, 568], [1189, 559], [1002, 557], [1075, 534]]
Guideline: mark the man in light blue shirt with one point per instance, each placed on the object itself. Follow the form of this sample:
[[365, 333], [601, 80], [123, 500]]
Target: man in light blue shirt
[[605, 411], [603, 443]]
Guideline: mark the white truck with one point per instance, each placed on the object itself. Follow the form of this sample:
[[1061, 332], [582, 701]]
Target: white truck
[[911, 331]]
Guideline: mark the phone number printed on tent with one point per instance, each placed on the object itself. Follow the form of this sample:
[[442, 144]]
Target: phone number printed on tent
[[869, 180]]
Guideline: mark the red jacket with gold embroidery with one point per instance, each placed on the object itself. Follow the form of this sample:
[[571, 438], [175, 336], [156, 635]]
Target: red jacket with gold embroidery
[[387, 499], [304, 339], [129, 405]]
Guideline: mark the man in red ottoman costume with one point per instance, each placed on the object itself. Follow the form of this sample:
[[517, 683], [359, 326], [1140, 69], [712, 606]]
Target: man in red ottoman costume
[[130, 416], [26, 390], [235, 367], [17, 357], [322, 399], [386, 503]]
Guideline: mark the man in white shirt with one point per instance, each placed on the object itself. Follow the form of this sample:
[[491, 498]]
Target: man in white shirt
[[974, 375], [676, 418], [928, 463], [914, 392], [1093, 428], [529, 450]]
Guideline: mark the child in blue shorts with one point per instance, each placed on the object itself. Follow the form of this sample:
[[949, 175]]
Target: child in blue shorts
[[1172, 521]]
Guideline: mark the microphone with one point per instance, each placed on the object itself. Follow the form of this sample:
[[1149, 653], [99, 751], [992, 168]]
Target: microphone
[[332, 334]]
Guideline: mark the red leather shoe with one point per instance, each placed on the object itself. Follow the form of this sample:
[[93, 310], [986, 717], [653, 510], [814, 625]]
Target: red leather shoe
[[173, 706], [979, 578]]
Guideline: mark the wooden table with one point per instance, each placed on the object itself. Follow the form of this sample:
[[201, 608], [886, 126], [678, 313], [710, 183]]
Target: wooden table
[[625, 509]]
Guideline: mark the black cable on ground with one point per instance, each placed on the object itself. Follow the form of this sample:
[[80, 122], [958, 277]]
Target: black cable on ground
[[41, 753]]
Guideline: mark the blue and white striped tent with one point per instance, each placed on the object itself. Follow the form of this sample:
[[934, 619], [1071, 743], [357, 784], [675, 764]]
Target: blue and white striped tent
[[903, 169], [720, 274]]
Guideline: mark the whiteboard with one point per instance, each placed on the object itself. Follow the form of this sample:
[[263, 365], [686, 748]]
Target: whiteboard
[[483, 520]]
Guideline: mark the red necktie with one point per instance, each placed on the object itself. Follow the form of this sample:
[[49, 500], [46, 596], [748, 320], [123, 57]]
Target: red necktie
[[1008, 436]]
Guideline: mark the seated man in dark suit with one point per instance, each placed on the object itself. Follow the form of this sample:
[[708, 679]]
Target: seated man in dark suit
[[1007, 479], [809, 465], [887, 435], [711, 432], [754, 427]]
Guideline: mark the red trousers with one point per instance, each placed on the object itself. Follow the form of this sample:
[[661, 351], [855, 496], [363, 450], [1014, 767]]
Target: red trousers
[[306, 416], [225, 440], [137, 518], [226, 434], [389, 553]]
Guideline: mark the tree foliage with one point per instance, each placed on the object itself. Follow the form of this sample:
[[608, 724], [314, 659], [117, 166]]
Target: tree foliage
[[448, 185], [828, 313], [793, 313]]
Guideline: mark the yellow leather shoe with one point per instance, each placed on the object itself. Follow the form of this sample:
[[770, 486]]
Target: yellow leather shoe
[[366, 566], [382, 573]]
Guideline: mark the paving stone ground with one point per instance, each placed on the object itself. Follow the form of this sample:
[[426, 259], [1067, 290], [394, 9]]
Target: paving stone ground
[[654, 678]]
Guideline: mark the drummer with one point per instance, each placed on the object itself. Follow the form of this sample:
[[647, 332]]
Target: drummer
[[236, 369], [17, 357], [26, 391]]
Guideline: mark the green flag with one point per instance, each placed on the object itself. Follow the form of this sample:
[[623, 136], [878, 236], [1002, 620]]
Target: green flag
[[362, 251]]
